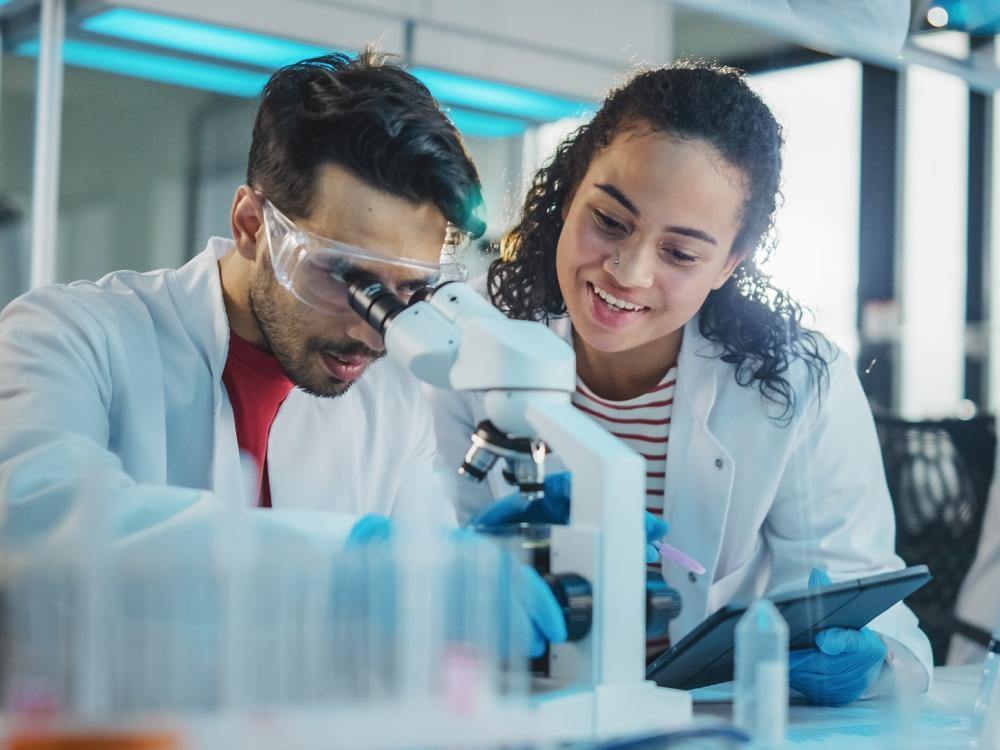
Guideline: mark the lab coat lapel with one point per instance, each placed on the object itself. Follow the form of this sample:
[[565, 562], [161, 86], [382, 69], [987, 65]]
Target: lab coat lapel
[[699, 477], [203, 305]]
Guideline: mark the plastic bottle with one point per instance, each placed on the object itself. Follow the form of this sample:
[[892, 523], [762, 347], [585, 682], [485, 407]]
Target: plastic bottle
[[986, 710], [760, 691]]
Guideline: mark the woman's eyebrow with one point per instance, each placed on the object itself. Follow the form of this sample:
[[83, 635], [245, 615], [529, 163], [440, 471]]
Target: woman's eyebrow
[[619, 196], [694, 233]]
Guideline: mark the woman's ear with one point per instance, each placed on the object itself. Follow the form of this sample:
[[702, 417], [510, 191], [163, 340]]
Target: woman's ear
[[567, 202], [245, 221], [734, 259]]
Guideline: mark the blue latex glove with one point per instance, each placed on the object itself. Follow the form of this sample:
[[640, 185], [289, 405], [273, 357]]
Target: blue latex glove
[[368, 529], [541, 617], [845, 664], [554, 509], [538, 618]]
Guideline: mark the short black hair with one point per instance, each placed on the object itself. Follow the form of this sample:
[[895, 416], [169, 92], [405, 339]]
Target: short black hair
[[371, 117]]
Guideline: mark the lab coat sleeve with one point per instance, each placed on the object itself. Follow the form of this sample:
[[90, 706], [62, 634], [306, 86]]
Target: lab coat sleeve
[[832, 510], [454, 423], [56, 390], [55, 393], [425, 486]]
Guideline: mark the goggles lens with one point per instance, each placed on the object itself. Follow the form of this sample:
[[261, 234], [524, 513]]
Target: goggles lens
[[313, 268]]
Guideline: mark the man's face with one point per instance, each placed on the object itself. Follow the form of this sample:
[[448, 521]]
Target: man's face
[[324, 351]]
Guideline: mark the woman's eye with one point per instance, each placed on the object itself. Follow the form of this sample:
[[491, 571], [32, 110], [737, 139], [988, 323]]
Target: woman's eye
[[678, 256], [608, 224]]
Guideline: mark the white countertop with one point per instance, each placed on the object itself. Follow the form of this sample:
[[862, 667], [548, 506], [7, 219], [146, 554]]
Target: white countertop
[[939, 720]]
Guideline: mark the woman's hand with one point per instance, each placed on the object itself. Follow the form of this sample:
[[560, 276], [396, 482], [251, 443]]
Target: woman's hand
[[844, 665]]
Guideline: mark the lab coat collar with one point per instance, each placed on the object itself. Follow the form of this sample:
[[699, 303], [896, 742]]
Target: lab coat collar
[[700, 474], [203, 303]]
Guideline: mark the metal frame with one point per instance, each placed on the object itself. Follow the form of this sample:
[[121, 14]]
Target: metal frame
[[879, 229], [979, 230], [48, 132]]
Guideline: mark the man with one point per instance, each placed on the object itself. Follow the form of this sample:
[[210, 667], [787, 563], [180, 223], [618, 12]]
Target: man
[[141, 390]]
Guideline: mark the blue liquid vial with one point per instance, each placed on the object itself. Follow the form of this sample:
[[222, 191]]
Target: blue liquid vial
[[760, 689], [986, 710]]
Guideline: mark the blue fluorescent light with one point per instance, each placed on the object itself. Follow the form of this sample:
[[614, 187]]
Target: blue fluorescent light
[[272, 52], [201, 38], [162, 68], [480, 125], [501, 98]]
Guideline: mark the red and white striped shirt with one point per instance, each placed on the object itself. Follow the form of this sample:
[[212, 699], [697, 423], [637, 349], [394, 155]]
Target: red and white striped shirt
[[643, 423]]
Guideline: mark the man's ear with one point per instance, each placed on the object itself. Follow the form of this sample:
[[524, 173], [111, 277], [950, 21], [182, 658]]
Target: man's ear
[[734, 259], [245, 221]]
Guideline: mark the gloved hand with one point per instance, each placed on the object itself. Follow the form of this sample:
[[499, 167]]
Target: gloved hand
[[554, 509], [540, 615], [845, 664], [369, 528], [538, 618]]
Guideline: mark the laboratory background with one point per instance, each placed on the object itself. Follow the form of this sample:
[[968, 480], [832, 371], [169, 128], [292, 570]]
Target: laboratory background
[[124, 131]]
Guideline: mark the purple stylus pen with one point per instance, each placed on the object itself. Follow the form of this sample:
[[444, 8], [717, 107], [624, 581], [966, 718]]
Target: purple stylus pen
[[669, 552]]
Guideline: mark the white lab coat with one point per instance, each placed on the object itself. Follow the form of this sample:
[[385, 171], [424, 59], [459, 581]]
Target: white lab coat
[[113, 391], [758, 504]]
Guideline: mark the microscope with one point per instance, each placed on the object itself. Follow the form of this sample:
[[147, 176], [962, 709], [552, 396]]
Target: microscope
[[452, 337]]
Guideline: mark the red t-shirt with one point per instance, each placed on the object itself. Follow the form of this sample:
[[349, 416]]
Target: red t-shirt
[[256, 385]]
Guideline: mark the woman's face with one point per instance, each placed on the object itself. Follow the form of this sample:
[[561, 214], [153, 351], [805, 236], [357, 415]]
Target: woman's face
[[668, 210]]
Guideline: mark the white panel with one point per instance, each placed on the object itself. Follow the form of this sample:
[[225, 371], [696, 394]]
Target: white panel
[[87, 245], [510, 64], [819, 107], [622, 32], [499, 165], [932, 264], [168, 199], [312, 22]]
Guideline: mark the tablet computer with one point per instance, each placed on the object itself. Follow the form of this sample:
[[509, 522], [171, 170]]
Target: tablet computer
[[705, 655]]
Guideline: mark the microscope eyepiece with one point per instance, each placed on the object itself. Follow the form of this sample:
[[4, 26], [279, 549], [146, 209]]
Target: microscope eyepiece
[[372, 299]]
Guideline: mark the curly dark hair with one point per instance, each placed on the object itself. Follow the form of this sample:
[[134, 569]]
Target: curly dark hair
[[758, 326], [370, 116]]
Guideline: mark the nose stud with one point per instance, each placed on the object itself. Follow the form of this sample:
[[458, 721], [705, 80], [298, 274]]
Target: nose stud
[[617, 259]]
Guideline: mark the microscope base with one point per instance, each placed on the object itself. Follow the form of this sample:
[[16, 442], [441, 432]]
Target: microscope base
[[570, 712]]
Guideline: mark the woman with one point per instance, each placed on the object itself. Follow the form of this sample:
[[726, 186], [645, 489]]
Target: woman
[[638, 242]]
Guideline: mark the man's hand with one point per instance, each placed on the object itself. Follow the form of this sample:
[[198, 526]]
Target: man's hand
[[537, 617]]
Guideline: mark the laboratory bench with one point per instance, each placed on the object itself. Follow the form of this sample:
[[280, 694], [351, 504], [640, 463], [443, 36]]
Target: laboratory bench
[[940, 719]]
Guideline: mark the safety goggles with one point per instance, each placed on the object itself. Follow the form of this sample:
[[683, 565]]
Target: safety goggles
[[313, 268]]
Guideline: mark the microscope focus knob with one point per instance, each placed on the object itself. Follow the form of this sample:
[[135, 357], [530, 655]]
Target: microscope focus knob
[[663, 604], [576, 597]]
